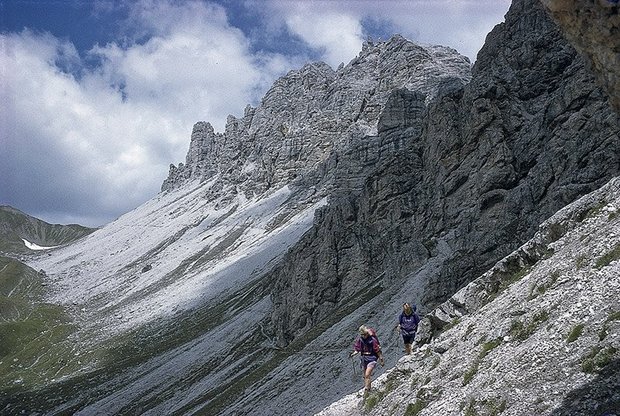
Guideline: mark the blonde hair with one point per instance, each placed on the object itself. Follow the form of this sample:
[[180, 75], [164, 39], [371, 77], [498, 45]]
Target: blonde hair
[[363, 330]]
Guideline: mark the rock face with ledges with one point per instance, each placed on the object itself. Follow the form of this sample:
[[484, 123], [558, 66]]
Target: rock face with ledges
[[537, 334], [593, 27], [310, 112], [475, 169]]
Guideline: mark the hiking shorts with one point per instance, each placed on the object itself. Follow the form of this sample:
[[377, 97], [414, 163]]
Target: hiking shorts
[[368, 361], [408, 336]]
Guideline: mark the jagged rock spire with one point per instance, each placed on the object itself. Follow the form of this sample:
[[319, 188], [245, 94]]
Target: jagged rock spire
[[311, 111]]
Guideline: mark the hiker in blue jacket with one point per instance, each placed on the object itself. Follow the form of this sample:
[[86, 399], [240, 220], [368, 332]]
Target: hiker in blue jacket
[[408, 325]]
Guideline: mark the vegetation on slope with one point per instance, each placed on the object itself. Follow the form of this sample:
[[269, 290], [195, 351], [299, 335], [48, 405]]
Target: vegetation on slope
[[15, 226]]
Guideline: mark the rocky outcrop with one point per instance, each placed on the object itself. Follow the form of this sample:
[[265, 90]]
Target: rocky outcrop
[[310, 112], [421, 166], [538, 334], [465, 177], [593, 27]]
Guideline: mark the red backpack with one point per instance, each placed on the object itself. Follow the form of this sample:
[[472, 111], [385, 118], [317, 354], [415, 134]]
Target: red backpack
[[373, 334]]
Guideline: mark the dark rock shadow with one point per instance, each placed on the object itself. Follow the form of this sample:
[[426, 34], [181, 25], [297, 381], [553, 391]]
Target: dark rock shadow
[[600, 397]]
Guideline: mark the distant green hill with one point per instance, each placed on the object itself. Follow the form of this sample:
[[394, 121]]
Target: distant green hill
[[16, 226]]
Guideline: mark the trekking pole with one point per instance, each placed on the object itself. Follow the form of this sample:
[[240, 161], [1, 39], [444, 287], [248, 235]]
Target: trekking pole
[[397, 340], [354, 376]]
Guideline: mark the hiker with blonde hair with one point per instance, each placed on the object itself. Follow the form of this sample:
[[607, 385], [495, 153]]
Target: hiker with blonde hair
[[367, 345]]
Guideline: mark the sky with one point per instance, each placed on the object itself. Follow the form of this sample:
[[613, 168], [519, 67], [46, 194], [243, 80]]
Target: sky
[[98, 97]]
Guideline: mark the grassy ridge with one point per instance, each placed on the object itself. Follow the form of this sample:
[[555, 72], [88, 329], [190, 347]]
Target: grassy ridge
[[15, 225]]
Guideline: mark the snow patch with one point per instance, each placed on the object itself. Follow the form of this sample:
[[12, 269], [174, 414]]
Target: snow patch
[[33, 246]]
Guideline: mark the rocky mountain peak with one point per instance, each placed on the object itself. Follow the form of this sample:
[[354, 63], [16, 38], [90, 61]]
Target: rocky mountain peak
[[310, 112], [313, 74], [463, 179]]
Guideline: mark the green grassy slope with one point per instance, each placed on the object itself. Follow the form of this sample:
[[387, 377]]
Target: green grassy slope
[[16, 225], [33, 333]]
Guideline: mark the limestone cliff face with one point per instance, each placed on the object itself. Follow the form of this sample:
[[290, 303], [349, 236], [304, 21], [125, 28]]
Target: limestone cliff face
[[309, 113], [593, 27], [463, 178], [537, 334]]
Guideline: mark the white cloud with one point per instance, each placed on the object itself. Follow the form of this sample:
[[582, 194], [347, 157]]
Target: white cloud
[[337, 35], [102, 138], [461, 24], [336, 27]]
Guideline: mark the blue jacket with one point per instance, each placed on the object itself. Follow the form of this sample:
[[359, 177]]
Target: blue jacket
[[408, 323]]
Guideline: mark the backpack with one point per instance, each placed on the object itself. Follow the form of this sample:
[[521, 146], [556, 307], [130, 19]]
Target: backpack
[[373, 335], [365, 345]]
